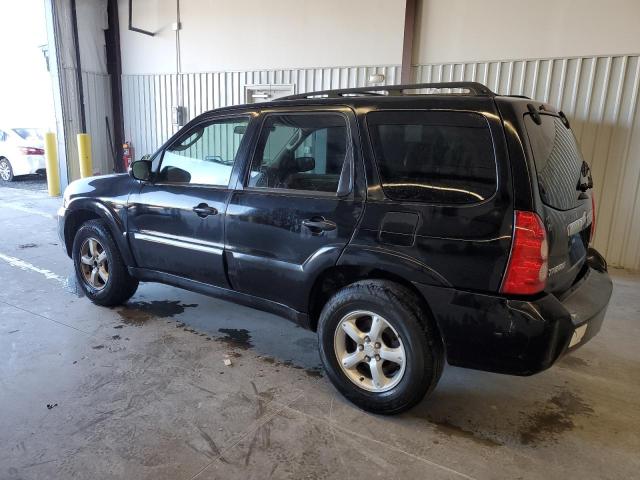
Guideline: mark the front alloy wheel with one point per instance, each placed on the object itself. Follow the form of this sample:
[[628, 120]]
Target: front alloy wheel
[[100, 271], [369, 351], [94, 264]]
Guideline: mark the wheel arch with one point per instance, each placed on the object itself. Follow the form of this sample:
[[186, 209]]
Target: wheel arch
[[334, 278], [80, 212]]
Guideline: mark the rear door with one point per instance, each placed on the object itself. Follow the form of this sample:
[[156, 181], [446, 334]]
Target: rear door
[[564, 184], [297, 205]]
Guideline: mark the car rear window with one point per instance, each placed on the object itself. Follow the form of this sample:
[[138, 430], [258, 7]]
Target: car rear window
[[433, 157], [557, 159]]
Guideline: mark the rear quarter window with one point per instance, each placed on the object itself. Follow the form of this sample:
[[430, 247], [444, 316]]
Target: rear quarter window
[[434, 157]]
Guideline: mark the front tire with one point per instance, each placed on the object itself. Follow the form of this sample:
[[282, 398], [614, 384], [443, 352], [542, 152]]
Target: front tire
[[100, 271], [379, 347], [6, 170]]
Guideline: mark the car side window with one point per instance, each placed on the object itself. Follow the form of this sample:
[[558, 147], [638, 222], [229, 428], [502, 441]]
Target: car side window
[[308, 152], [434, 157], [206, 156], [3, 136]]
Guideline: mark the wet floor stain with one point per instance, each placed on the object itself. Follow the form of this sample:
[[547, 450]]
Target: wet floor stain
[[315, 372], [22, 246], [138, 313], [451, 429], [571, 361], [236, 337], [71, 285], [553, 418]]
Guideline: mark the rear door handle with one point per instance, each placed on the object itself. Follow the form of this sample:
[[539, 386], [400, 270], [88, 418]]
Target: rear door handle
[[203, 210], [319, 224]]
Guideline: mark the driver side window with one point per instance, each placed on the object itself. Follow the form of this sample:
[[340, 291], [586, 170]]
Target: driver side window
[[301, 152], [206, 156]]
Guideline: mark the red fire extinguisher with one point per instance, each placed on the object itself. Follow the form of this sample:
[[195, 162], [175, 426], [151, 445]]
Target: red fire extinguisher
[[127, 154]]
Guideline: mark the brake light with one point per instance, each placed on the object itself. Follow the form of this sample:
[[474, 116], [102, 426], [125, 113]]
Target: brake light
[[31, 151], [593, 216], [528, 264]]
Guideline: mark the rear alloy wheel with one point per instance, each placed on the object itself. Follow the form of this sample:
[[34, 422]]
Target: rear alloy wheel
[[6, 172], [379, 346], [369, 351]]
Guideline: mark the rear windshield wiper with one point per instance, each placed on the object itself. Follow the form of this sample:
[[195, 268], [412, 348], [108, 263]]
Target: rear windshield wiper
[[586, 181]]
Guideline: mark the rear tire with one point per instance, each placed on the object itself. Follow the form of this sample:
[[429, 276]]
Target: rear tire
[[6, 170], [406, 331], [100, 271]]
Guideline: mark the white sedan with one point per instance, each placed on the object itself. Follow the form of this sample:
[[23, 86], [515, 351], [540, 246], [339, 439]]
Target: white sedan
[[21, 152]]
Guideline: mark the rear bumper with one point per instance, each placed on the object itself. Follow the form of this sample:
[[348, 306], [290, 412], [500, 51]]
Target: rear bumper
[[27, 164], [516, 336]]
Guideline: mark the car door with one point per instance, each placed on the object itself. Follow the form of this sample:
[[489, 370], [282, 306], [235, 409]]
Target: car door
[[297, 205], [176, 220]]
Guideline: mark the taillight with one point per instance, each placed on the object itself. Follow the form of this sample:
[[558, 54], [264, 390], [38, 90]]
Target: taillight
[[593, 216], [31, 151], [528, 267]]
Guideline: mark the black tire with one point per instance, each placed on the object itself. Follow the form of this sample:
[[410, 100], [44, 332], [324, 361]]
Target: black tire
[[404, 312], [6, 166], [120, 286]]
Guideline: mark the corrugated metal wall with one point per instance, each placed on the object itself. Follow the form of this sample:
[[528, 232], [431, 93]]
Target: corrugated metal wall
[[97, 100], [148, 99], [598, 94]]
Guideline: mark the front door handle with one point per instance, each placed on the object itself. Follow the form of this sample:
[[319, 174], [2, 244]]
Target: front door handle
[[203, 210], [319, 224]]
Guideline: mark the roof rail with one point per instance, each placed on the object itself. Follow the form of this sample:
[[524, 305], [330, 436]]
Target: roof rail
[[474, 88]]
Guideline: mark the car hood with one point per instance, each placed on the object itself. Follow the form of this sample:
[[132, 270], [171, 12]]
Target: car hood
[[105, 188]]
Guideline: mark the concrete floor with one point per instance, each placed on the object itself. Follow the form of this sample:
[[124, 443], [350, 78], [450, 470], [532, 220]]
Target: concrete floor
[[141, 391]]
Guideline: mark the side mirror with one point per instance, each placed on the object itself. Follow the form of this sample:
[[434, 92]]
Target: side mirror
[[305, 164], [141, 170]]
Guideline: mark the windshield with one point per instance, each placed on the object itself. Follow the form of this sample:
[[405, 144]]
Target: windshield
[[29, 133]]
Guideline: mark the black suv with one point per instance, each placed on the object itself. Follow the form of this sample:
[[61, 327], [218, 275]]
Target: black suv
[[405, 224]]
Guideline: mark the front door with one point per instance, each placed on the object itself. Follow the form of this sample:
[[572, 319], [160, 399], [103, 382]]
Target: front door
[[297, 207], [176, 221]]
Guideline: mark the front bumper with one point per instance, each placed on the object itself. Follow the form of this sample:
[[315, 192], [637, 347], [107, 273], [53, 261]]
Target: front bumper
[[60, 220], [518, 336]]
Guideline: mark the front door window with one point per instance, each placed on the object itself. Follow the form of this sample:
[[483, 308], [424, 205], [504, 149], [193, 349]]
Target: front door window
[[205, 156]]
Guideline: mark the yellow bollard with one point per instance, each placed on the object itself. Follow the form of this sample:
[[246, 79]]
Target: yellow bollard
[[84, 154], [51, 156]]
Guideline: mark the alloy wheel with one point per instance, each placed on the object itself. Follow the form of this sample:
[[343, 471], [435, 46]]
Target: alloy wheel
[[94, 264], [5, 170], [369, 351]]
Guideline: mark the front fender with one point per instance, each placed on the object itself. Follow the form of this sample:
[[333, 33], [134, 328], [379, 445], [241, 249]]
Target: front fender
[[81, 209], [105, 197]]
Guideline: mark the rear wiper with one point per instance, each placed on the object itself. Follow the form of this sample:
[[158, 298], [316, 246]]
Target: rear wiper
[[586, 181]]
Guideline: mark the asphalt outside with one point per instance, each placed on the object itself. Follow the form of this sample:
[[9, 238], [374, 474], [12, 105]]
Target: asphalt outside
[[143, 391]]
